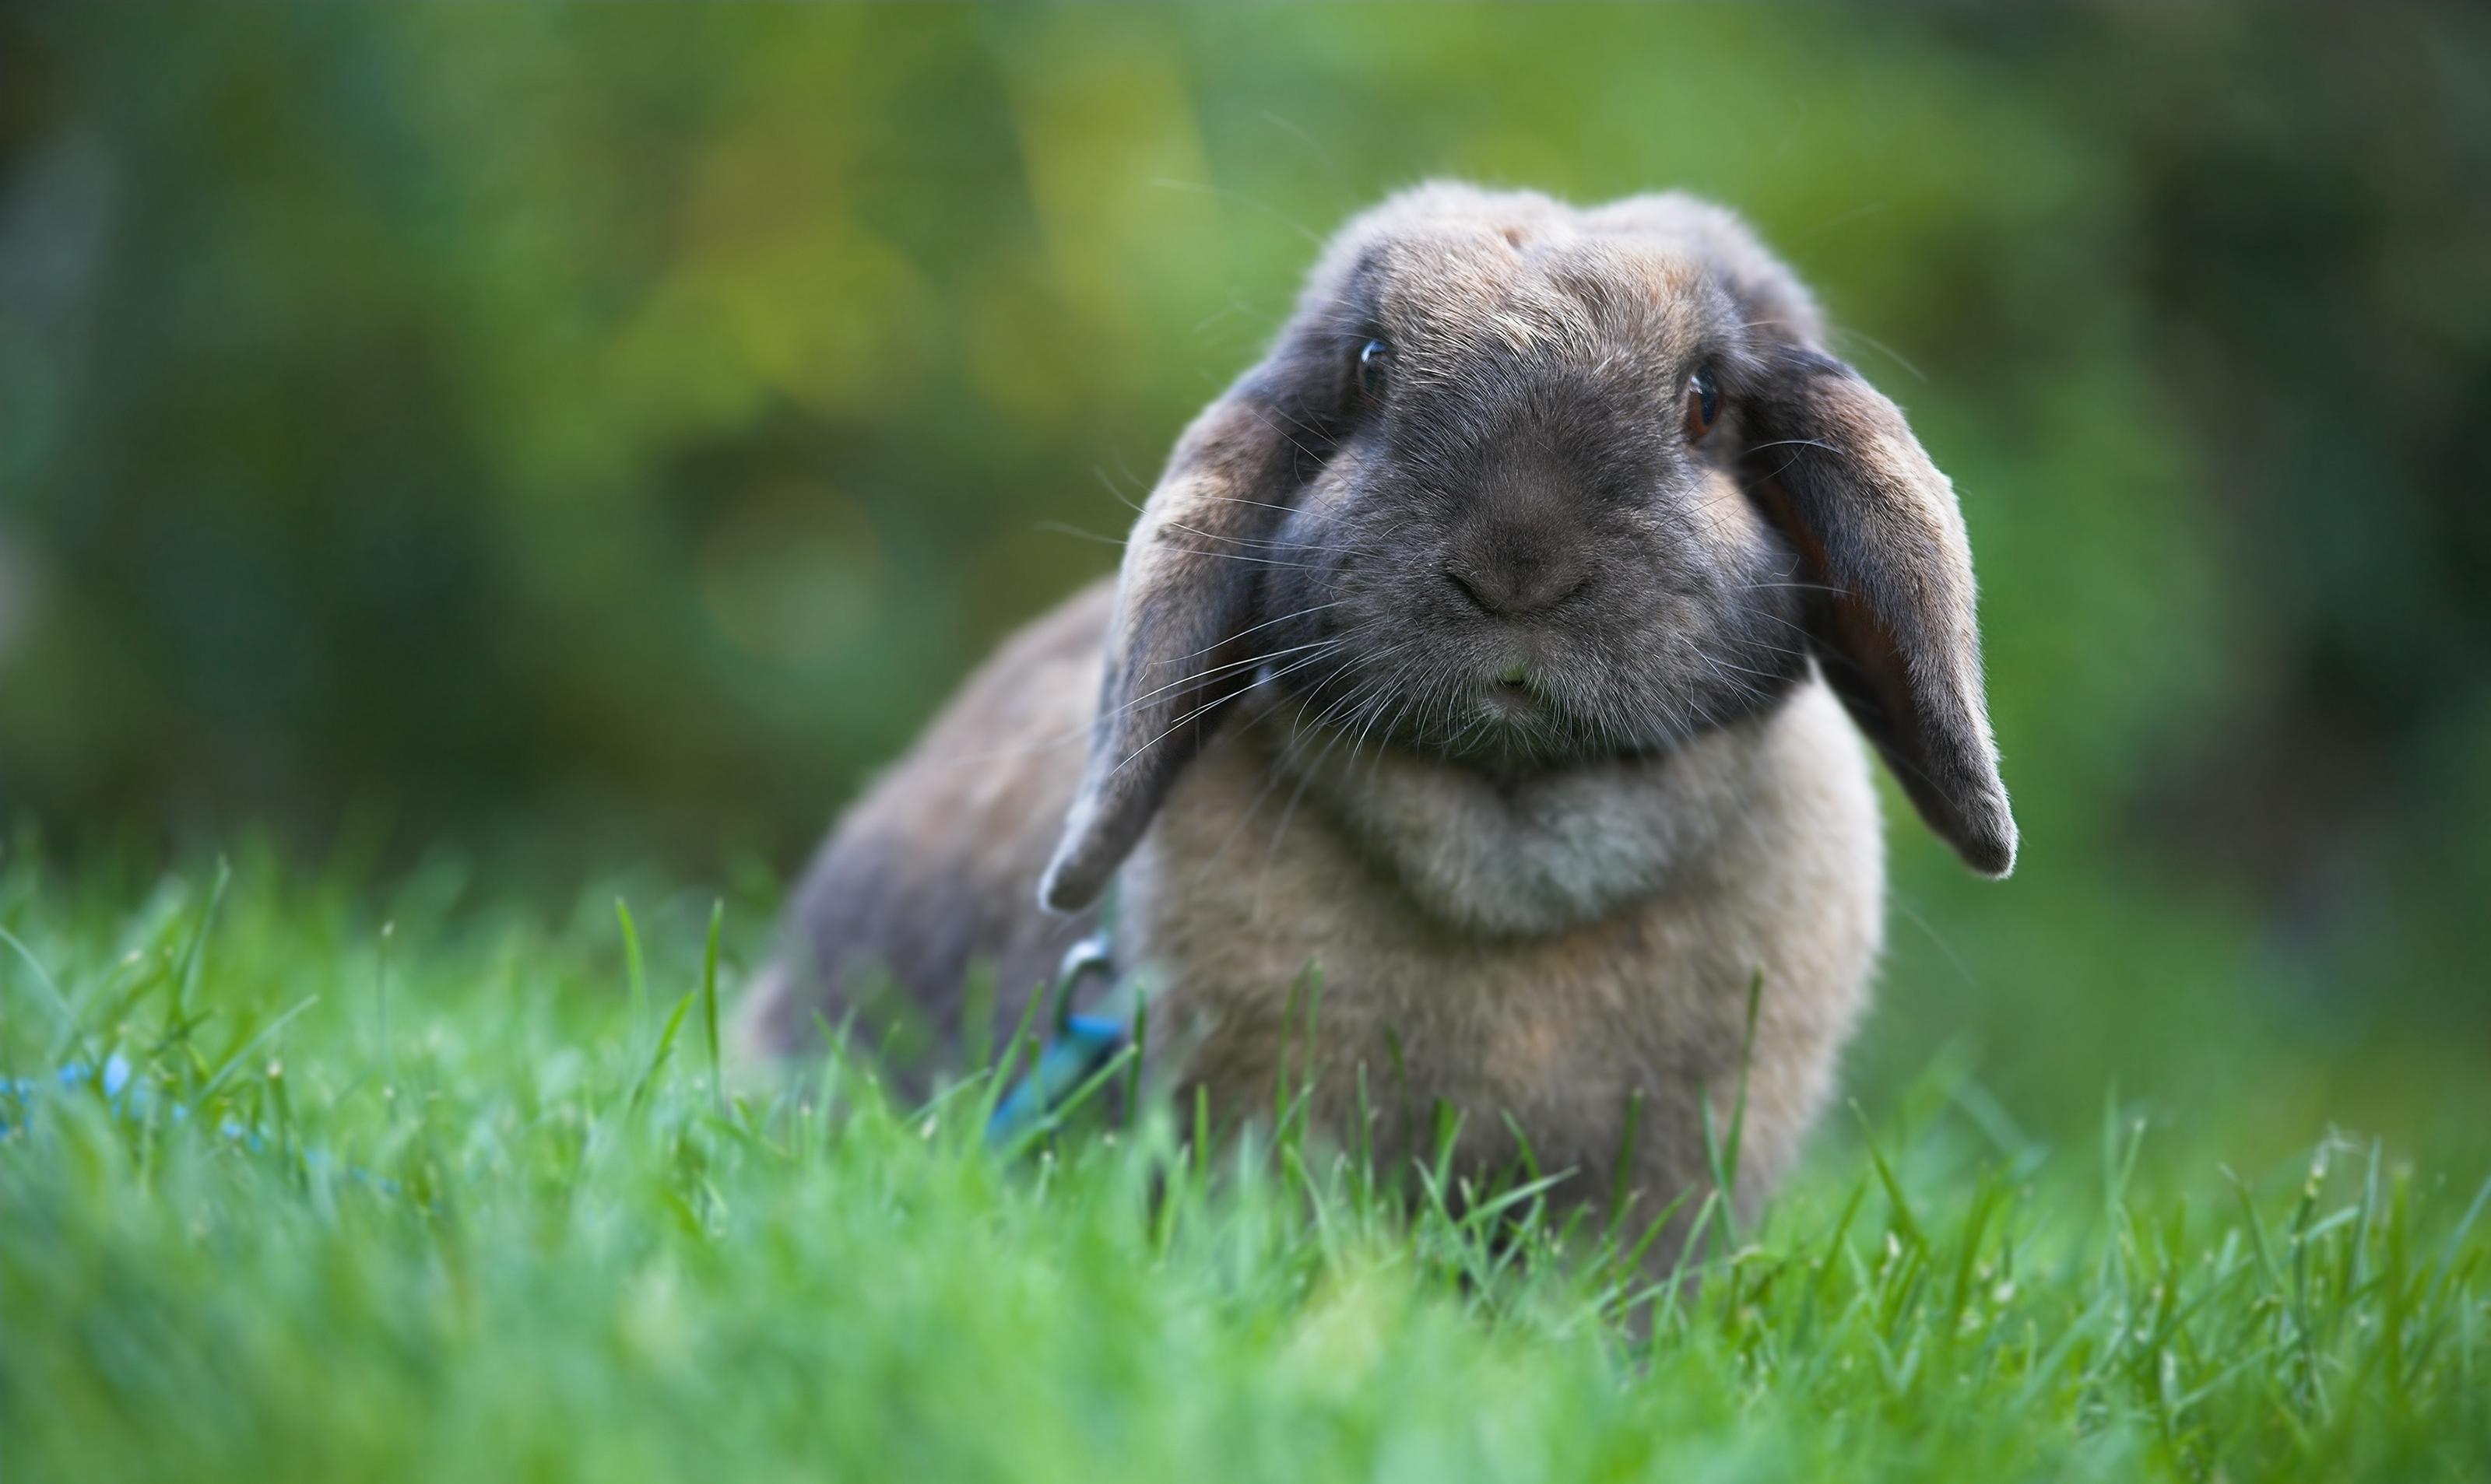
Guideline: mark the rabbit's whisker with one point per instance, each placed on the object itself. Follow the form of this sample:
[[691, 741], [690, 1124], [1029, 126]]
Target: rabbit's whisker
[[1260, 416], [1266, 624], [1200, 675], [1260, 505], [1248, 540], [1206, 707], [1065, 528], [1247, 559]]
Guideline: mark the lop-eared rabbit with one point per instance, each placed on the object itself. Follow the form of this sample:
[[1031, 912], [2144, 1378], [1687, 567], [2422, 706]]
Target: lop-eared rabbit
[[1487, 650]]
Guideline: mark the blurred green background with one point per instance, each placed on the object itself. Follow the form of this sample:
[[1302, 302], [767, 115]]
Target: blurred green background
[[587, 437]]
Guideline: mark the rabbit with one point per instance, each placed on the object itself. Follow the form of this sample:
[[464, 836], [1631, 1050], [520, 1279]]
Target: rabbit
[[1496, 652]]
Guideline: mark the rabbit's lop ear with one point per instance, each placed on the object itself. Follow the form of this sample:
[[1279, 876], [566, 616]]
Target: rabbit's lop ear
[[1182, 596], [1881, 538]]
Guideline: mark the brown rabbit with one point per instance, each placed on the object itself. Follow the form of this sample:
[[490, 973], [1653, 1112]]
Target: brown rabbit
[[1487, 648]]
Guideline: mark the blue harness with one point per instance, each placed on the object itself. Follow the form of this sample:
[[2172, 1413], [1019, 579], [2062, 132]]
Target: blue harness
[[1078, 1047]]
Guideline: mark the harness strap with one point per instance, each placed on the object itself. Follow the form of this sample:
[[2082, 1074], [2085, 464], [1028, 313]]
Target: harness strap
[[1078, 1045]]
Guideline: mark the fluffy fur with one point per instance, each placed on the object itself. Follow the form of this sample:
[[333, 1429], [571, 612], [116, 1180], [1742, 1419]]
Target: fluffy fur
[[1458, 657]]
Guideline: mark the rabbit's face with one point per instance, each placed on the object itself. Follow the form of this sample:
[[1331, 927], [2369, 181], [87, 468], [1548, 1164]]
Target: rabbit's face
[[1523, 485], [1521, 538]]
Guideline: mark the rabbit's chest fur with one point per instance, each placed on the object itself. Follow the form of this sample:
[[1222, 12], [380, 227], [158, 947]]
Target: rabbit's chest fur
[[1553, 950]]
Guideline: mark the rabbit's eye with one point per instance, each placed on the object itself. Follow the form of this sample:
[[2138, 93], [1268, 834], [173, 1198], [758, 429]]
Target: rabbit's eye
[[1374, 367], [1703, 403]]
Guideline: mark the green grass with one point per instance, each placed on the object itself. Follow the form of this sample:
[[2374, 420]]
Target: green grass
[[459, 1195]]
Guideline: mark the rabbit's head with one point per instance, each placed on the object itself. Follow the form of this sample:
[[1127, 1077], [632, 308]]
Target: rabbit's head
[[1523, 485]]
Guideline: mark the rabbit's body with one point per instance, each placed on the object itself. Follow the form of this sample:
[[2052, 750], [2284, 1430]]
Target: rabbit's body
[[1484, 657], [1553, 947], [1544, 950]]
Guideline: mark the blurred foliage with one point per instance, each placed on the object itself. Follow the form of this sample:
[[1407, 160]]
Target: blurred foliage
[[609, 432]]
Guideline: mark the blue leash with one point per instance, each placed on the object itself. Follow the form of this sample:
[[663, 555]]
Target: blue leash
[[1079, 1047], [130, 1101], [18, 1094]]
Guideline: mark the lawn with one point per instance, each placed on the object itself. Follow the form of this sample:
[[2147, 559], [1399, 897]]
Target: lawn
[[419, 1178]]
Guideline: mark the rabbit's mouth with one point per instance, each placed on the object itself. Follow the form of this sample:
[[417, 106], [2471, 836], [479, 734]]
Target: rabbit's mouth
[[1515, 710], [1509, 695], [1501, 720], [1518, 722]]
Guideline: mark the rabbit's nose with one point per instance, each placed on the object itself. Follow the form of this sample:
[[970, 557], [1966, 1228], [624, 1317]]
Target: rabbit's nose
[[1516, 585]]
